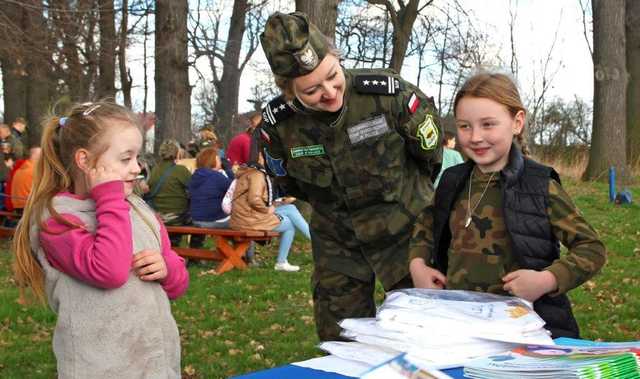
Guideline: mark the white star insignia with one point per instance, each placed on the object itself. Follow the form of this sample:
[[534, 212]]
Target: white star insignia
[[282, 106], [365, 82], [274, 110], [383, 83], [375, 82]]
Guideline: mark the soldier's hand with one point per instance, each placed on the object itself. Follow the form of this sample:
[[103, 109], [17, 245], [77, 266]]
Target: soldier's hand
[[529, 284], [424, 276]]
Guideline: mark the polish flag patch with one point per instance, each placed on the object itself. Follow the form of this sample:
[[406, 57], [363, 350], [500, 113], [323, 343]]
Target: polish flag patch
[[265, 136], [413, 103]]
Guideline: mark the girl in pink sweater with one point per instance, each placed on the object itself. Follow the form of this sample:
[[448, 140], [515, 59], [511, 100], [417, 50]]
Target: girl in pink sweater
[[98, 252]]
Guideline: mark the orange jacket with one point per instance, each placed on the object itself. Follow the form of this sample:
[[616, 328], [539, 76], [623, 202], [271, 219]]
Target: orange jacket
[[21, 184]]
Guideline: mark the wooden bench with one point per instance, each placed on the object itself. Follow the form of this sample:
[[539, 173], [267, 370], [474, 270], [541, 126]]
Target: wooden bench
[[231, 245], [7, 232]]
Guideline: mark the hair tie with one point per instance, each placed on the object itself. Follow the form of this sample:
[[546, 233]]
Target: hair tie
[[62, 121], [90, 109]]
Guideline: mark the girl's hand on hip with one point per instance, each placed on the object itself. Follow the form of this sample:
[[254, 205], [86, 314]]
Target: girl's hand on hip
[[149, 265], [529, 284], [424, 276]]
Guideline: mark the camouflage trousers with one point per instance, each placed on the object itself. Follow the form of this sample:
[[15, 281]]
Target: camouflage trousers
[[337, 296]]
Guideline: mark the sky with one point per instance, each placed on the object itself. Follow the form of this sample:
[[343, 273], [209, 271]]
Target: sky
[[536, 23]]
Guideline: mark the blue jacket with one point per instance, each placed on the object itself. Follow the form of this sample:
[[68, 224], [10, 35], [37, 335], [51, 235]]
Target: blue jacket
[[207, 188]]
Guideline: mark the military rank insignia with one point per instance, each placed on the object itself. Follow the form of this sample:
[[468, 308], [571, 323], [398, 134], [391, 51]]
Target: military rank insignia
[[428, 133], [277, 110], [379, 84]]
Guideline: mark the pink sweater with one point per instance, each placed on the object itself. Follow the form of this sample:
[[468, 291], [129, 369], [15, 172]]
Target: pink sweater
[[105, 259]]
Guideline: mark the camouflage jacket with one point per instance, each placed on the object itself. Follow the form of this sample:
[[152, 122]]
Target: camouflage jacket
[[365, 171], [481, 254]]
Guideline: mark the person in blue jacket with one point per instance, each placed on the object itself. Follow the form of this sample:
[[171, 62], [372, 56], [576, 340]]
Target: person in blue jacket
[[207, 188]]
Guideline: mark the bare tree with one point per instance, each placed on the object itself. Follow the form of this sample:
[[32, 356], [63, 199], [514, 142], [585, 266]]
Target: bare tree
[[363, 36], [38, 69], [107, 67], [633, 91], [126, 80], [608, 143], [12, 54], [402, 20], [585, 8], [173, 92], [224, 57], [322, 14]]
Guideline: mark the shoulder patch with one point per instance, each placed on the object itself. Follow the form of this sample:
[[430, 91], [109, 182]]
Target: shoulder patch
[[377, 84], [277, 110]]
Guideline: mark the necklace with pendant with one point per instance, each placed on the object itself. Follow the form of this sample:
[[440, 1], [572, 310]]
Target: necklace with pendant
[[469, 209]]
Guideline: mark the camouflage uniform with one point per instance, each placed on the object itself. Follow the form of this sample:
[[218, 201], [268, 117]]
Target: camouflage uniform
[[482, 253], [365, 171]]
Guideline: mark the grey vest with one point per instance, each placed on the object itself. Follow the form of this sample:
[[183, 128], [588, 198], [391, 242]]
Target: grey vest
[[127, 332]]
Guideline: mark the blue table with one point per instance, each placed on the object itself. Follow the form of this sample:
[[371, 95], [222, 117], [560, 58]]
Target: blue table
[[296, 372]]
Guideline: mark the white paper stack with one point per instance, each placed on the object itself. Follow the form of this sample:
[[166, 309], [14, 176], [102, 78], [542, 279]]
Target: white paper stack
[[441, 328]]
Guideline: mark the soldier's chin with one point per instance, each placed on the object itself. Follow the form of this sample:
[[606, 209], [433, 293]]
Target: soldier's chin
[[332, 106]]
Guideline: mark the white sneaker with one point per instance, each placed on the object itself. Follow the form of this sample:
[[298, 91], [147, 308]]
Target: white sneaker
[[285, 266]]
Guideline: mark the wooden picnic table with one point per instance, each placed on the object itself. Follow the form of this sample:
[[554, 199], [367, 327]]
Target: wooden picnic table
[[230, 245]]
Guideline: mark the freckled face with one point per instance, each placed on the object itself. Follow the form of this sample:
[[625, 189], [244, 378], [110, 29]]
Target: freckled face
[[125, 142], [323, 88], [485, 131]]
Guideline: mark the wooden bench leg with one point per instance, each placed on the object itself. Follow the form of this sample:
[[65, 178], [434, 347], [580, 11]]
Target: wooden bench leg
[[233, 254]]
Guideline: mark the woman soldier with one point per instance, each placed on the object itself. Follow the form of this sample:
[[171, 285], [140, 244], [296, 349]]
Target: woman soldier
[[361, 147]]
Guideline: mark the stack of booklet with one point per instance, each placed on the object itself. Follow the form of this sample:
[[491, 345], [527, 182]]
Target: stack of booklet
[[539, 361], [440, 328]]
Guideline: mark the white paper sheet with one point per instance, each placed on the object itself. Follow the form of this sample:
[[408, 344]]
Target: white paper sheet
[[336, 365]]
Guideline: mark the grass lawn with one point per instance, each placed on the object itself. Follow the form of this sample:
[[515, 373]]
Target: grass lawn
[[246, 321]]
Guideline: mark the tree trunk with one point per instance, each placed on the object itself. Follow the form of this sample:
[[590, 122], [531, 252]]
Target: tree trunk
[[402, 33], [38, 70], [228, 88], [633, 91], [14, 89], [608, 143], [402, 21], [13, 64], [125, 75], [322, 13], [107, 66], [173, 93]]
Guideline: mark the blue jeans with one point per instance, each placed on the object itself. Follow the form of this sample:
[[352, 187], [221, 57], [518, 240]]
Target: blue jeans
[[291, 220], [212, 224]]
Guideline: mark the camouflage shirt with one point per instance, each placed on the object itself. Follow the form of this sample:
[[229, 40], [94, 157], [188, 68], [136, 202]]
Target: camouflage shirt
[[365, 170], [480, 255]]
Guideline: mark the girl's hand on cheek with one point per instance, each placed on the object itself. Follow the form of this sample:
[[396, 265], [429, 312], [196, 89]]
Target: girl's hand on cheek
[[101, 174]]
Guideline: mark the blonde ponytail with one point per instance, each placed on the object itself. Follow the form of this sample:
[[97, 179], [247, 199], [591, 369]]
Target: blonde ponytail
[[55, 172]]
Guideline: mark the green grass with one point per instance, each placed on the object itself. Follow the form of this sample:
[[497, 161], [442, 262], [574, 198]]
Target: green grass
[[246, 321]]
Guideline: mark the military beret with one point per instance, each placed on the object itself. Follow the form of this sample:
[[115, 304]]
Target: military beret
[[293, 46]]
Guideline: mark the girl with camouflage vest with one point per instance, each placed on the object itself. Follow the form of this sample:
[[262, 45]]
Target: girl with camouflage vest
[[497, 220], [98, 251]]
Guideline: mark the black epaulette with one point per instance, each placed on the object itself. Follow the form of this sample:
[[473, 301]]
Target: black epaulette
[[378, 84], [276, 110]]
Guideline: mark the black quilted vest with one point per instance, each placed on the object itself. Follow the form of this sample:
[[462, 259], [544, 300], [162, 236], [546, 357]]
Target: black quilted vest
[[525, 199]]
